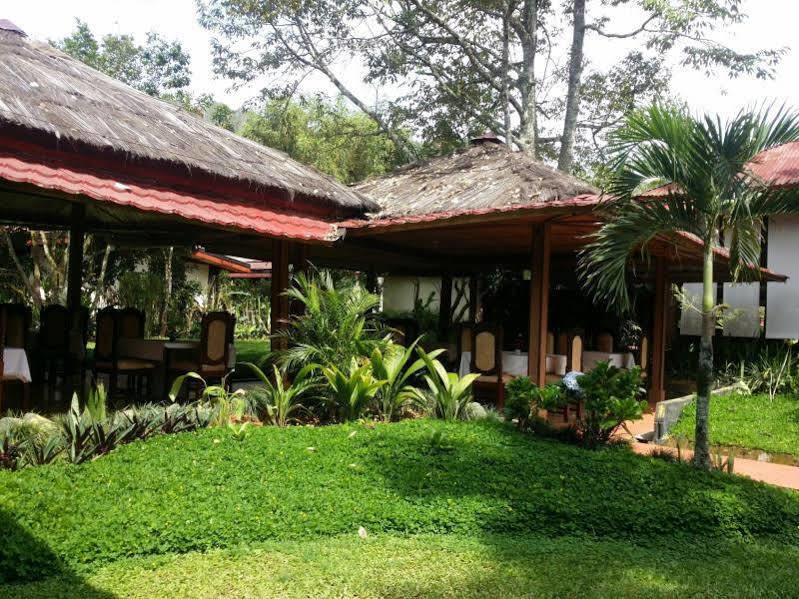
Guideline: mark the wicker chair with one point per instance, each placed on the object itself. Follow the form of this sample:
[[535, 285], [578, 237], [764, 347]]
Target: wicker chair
[[106, 354], [464, 340], [211, 360], [487, 360]]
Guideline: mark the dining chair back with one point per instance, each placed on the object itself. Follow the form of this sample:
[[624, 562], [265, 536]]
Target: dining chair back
[[54, 328], [487, 349], [576, 354], [18, 321], [216, 335], [643, 354], [130, 323], [105, 349], [550, 342], [604, 342]]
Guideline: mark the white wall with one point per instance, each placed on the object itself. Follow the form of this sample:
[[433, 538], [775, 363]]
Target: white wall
[[782, 311], [199, 274]]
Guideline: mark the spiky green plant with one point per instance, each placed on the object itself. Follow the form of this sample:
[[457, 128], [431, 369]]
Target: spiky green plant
[[276, 401], [448, 395], [351, 390], [702, 166], [393, 367]]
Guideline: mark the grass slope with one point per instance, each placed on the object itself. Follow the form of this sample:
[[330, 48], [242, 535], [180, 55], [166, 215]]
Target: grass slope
[[441, 566], [202, 491], [752, 422]]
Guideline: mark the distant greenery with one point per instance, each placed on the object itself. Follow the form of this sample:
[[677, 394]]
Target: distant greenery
[[205, 490], [753, 422], [328, 135], [445, 566]]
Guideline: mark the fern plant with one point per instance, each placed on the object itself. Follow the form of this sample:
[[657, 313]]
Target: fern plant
[[335, 325]]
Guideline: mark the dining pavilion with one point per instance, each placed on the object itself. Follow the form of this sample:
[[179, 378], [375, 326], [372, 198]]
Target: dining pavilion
[[83, 153]]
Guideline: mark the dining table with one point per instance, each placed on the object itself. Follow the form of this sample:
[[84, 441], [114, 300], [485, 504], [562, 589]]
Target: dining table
[[515, 363]]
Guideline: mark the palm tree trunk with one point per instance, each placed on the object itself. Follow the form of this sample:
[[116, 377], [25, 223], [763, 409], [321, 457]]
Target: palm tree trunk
[[704, 376]]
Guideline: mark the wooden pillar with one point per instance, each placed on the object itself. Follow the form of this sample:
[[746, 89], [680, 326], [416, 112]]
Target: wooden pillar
[[474, 298], [539, 303], [445, 307], [656, 384], [371, 280], [279, 309], [77, 234]]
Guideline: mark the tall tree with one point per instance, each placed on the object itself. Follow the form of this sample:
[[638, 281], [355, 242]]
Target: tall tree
[[701, 164], [157, 67]]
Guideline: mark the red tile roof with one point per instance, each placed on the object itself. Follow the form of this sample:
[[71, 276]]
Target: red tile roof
[[779, 165], [220, 212]]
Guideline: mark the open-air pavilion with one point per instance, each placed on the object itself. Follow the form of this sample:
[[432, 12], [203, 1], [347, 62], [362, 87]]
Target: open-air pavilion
[[84, 153]]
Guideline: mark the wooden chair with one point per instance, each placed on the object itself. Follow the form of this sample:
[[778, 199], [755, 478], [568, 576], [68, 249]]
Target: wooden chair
[[106, 354], [17, 323], [131, 324], [53, 353], [487, 360], [464, 341], [604, 342], [550, 342], [211, 360]]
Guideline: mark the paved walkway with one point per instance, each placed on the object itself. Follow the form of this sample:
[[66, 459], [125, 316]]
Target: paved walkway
[[780, 475]]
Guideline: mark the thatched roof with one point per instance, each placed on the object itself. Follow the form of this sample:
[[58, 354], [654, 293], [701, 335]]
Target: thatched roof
[[43, 89], [484, 176]]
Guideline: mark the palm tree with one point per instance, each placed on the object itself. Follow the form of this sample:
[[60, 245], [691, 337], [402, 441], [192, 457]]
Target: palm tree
[[700, 166]]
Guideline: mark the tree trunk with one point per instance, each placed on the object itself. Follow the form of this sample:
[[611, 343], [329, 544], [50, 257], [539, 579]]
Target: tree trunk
[[506, 73], [167, 291], [566, 157], [101, 277], [704, 377], [528, 127]]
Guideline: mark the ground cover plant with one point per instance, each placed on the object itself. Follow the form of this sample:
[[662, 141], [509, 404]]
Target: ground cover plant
[[205, 490], [451, 566], [749, 421]]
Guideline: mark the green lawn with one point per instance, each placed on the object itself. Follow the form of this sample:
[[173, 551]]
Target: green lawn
[[752, 422], [441, 566], [458, 514]]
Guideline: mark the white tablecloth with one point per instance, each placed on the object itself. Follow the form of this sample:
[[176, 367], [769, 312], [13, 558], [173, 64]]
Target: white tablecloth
[[15, 365], [515, 363], [153, 349], [619, 360]]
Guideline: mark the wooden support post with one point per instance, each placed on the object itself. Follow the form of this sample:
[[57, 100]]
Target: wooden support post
[[77, 234], [539, 303], [656, 385], [371, 280], [474, 298], [445, 307], [279, 309]]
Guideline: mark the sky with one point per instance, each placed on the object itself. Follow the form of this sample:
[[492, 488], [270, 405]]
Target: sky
[[772, 23]]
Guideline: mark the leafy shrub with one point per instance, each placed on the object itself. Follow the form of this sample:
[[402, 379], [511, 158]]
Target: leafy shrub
[[448, 395], [773, 371], [519, 397], [202, 490], [609, 399]]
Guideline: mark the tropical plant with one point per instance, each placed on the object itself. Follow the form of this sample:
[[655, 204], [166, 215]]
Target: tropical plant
[[519, 400], [224, 404], [772, 371], [708, 189], [352, 390], [335, 325], [96, 403], [448, 396], [392, 367], [277, 402]]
